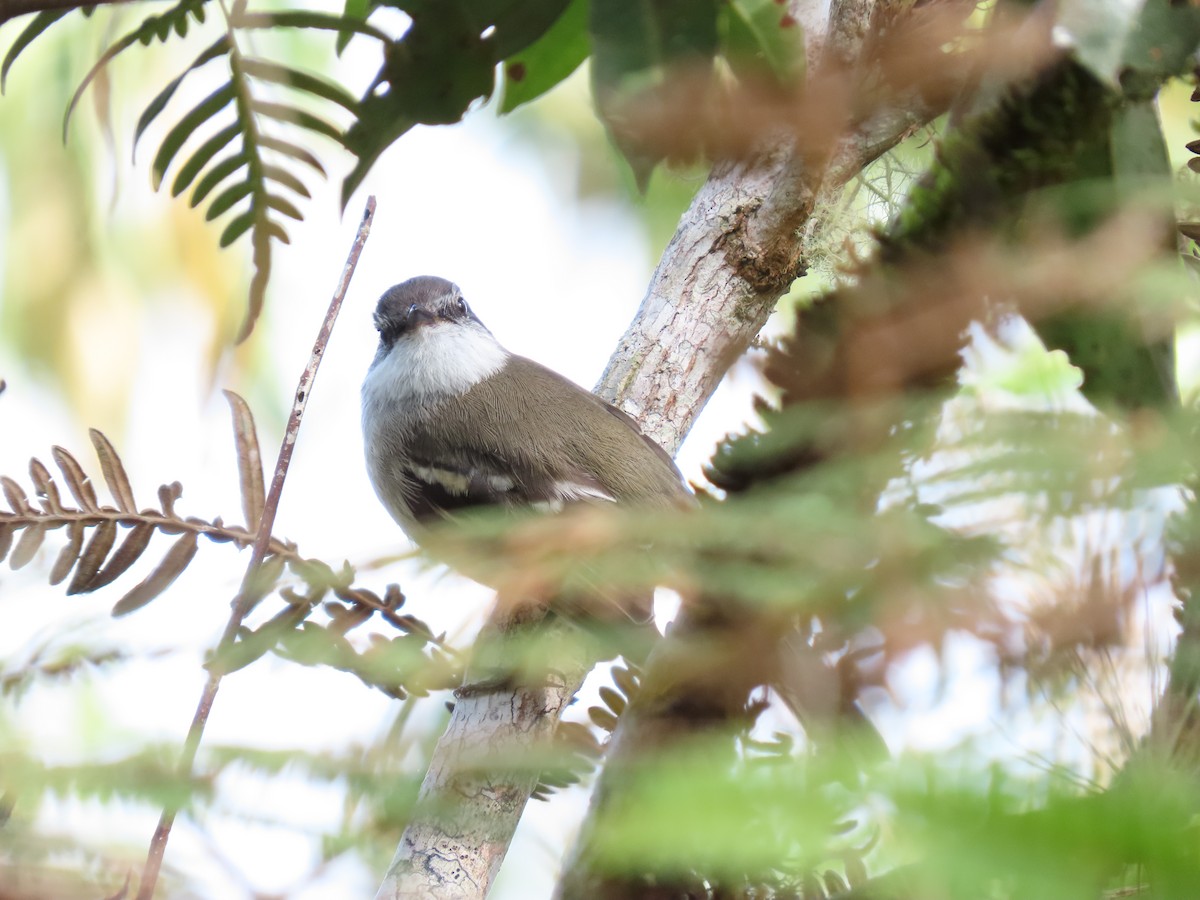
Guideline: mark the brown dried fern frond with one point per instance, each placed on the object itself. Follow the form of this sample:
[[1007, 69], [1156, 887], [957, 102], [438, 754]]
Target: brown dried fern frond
[[88, 556], [413, 661]]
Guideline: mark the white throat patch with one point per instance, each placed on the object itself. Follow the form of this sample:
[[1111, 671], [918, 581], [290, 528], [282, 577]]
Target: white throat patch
[[438, 360]]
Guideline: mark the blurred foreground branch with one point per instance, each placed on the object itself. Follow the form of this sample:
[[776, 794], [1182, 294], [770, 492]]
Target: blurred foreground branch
[[895, 334], [736, 251]]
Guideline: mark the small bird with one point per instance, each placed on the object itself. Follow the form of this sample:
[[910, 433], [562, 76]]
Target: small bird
[[452, 420]]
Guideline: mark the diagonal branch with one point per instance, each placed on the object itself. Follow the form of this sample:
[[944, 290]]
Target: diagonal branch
[[250, 592]]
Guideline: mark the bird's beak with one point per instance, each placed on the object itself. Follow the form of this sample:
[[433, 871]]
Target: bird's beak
[[417, 316]]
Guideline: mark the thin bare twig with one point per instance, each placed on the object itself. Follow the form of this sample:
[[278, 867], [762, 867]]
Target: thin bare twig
[[251, 591]]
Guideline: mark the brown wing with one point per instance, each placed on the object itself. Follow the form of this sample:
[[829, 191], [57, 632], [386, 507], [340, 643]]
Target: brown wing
[[571, 444]]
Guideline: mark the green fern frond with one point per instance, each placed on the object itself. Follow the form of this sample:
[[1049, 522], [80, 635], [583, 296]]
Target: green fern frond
[[214, 51], [315, 20], [355, 11], [36, 26], [201, 158], [175, 20], [240, 169], [265, 70], [186, 127]]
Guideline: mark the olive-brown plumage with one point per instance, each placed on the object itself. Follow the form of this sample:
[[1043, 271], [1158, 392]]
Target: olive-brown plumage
[[453, 420]]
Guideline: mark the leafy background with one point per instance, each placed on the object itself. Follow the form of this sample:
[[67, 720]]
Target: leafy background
[[117, 313]]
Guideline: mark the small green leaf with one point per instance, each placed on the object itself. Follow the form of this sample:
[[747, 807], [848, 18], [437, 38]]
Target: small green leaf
[[237, 226], [225, 200], [284, 206], [512, 25], [202, 112], [276, 231], [298, 117], [1139, 151], [1099, 31], [260, 240], [321, 21], [36, 26], [549, 59], [145, 34], [287, 179], [432, 75], [215, 176], [201, 157], [636, 47], [217, 49], [1121, 368], [367, 139], [355, 11], [301, 81], [1163, 40], [289, 149]]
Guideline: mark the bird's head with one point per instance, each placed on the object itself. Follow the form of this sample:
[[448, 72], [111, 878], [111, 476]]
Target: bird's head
[[424, 302]]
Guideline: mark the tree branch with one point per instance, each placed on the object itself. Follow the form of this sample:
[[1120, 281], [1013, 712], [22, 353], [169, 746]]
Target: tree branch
[[779, 233], [12, 9], [736, 251]]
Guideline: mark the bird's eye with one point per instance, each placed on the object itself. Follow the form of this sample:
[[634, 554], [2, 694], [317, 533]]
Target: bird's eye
[[412, 309], [462, 306]]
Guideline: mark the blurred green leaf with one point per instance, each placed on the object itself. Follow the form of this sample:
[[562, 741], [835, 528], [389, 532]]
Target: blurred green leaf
[[1139, 152], [1163, 41], [185, 127], [512, 25], [1121, 365], [636, 47], [356, 10], [695, 808], [548, 60], [29, 33], [214, 51], [203, 155], [442, 64], [760, 37], [158, 27], [1100, 31]]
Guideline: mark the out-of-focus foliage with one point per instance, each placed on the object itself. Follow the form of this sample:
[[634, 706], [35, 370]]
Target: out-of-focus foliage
[[246, 150], [93, 559], [893, 503], [78, 271], [884, 506]]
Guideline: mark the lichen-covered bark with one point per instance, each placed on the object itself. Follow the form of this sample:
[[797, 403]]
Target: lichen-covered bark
[[737, 250], [469, 805]]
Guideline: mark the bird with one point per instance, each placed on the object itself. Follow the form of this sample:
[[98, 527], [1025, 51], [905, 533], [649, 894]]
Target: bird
[[452, 421]]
